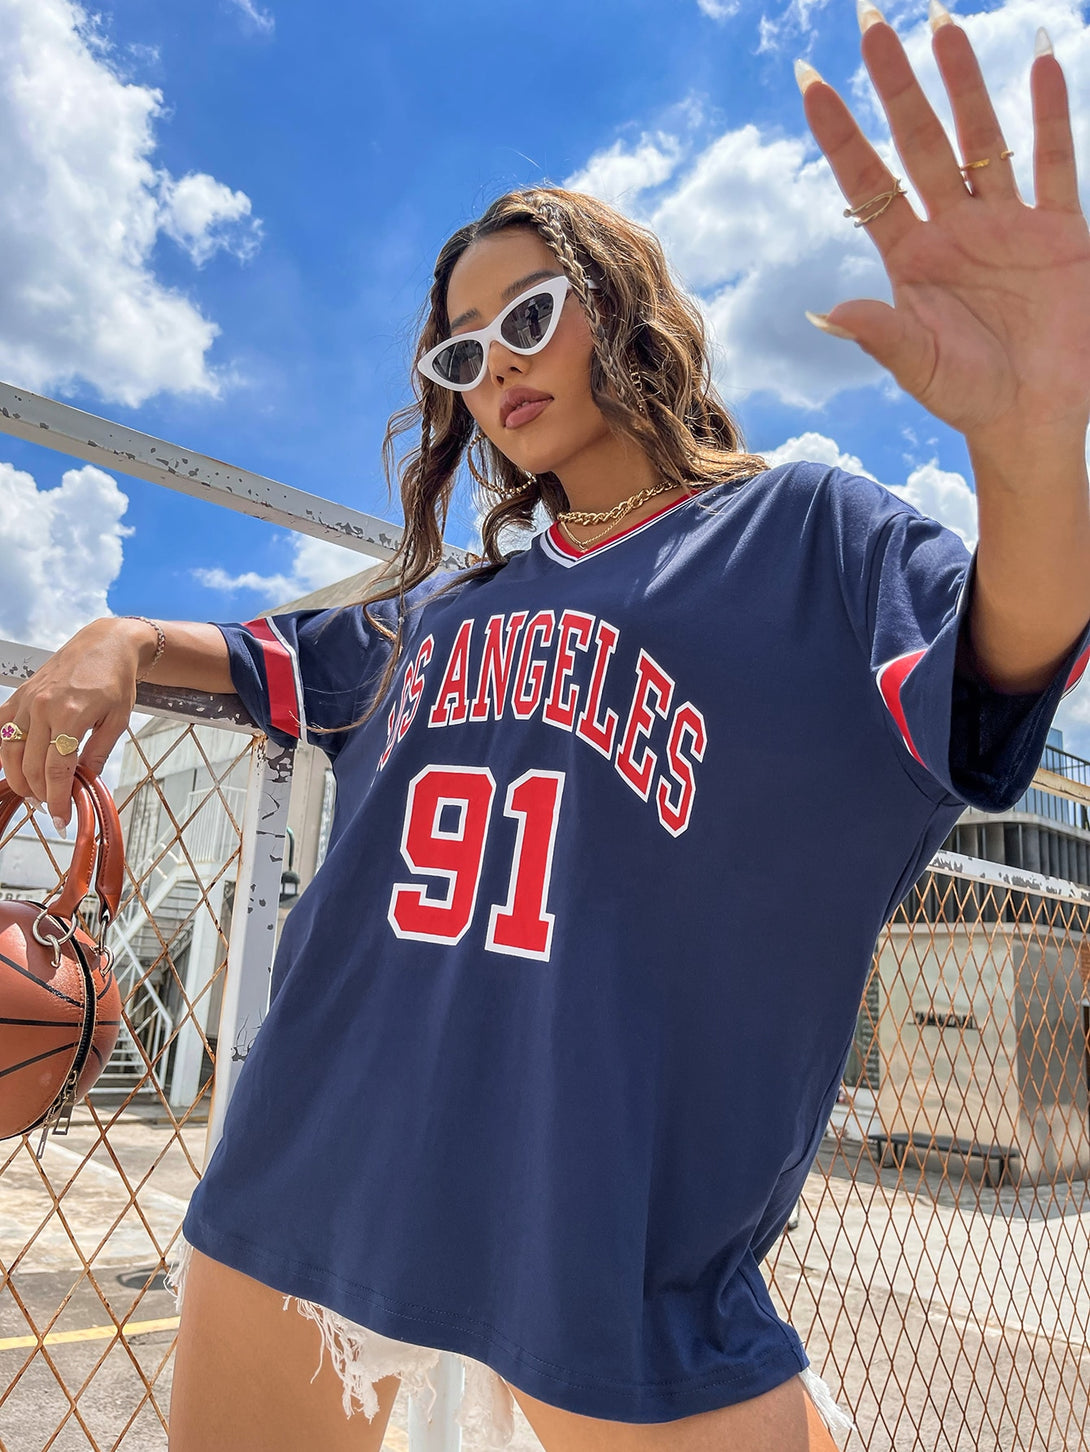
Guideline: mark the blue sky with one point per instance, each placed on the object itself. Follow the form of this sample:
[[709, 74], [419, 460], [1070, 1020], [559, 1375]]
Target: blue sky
[[220, 220]]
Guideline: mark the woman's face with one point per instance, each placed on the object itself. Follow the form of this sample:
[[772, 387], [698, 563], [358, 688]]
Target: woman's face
[[491, 272]]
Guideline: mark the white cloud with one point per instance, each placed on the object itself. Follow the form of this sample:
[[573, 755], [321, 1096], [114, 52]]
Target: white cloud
[[260, 18], [719, 9], [618, 171], [199, 213], [753, 220], [316, 562], [793, 22], [81, 208], [61, 550], [818, 449]]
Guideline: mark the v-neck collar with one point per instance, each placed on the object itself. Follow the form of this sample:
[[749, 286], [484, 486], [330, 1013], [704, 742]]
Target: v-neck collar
[[557, 547]]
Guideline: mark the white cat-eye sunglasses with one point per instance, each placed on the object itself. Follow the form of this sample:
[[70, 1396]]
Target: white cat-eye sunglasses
[[524, 326]]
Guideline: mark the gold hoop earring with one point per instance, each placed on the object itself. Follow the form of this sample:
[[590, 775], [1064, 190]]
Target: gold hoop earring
[[478, 470]]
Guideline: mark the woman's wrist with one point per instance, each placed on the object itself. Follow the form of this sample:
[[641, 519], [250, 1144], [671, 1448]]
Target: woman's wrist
[[148, 639]]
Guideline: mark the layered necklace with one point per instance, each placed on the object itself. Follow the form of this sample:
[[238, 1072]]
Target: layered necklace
[[608, 517]]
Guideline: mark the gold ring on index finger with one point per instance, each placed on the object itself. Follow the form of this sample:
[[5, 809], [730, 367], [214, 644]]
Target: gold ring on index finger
[[10, 732]]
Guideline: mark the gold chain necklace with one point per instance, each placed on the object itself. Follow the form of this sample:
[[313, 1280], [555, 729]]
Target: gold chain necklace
[[607, 516]]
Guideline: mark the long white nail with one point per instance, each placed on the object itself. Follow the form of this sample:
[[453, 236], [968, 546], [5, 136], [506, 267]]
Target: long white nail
[[1042, 46], [805, 74], [868, 14], [61, 827], [938, 14], [821, 320]]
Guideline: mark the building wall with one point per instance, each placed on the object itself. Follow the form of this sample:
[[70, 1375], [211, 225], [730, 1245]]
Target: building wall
[[982, 1036]]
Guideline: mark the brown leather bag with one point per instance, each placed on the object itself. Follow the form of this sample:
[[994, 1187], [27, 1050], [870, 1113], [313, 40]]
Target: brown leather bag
[[60, 1008]]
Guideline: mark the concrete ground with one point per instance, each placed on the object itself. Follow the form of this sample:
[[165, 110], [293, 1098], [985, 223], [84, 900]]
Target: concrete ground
[[943, 1315]]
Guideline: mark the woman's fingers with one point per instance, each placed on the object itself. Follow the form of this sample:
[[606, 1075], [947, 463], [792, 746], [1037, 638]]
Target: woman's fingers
[[918, 134], [58, 769], [35, 767], [1055, 180], [11, 752], [980, 136], [863, 175]]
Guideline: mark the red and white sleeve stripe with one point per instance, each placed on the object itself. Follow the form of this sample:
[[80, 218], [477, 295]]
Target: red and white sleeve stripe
[[891, 678], [1077, 671], [286, 707]]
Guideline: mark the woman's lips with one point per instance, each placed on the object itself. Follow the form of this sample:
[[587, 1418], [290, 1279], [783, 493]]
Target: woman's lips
[[525, 412]]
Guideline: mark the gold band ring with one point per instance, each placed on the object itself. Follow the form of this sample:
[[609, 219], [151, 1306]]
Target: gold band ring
[[65, 744], [10, 732], [886, 198], [987, 161]]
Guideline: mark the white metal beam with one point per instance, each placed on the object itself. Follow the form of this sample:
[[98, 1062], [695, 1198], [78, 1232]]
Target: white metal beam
[[41, 420]]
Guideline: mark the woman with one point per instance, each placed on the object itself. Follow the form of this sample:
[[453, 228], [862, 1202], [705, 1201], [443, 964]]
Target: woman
[[555, 1031]]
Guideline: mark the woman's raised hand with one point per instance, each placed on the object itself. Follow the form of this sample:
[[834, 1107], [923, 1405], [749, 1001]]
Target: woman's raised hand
[[89, 684], [990, 323]]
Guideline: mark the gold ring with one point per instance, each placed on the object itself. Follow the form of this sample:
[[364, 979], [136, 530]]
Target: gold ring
[[972, 165], [10, 732], [65, 744], [886, 198]]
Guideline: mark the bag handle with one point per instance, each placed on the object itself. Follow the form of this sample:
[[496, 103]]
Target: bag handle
[[92, 801]]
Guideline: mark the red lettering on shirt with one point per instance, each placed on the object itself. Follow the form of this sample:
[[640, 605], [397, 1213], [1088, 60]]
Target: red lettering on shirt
[[560, 707], [651, 680], [523, 705], [495, 673], [600, 734], [674, 815], [452, 703]]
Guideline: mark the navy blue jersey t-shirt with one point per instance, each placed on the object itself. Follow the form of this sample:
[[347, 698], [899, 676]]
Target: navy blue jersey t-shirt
[[555, 1030]]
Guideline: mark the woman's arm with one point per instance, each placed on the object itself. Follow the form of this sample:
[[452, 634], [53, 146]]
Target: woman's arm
[[1031, 597], [195, 655], [989, 328], [89, 684]]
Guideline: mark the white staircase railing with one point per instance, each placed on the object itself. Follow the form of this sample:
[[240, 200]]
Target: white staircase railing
[[210, 840]]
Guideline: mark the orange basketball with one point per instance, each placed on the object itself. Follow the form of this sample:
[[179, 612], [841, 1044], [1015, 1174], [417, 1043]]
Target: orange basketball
[[60, 1008]]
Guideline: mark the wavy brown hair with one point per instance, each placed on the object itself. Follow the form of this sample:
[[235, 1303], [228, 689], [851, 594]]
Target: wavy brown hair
[[650, 376]]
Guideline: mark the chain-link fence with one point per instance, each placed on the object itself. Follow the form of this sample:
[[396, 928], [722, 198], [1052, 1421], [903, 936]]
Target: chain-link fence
[[86, 1232], [938, 1271], [937, 1274]]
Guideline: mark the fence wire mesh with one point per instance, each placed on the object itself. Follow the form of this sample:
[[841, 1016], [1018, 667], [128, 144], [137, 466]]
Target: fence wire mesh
[[937, 1272], [937, 1275], [87, 1327]]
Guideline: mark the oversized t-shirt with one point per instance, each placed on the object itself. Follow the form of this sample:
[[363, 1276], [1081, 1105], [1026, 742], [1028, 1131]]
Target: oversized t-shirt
[[556, 1028]]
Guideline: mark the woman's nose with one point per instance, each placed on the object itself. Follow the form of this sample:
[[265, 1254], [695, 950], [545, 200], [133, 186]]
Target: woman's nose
[[501, 361]]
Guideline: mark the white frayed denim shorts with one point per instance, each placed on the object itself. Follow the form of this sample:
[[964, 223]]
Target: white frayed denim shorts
[[486, 1413]]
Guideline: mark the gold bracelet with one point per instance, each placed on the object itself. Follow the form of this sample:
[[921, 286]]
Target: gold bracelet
[[160, 644]]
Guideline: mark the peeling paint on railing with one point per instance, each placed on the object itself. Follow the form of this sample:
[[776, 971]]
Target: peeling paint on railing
[[56, 425]]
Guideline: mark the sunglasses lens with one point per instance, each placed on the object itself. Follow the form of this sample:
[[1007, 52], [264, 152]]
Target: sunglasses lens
[[460, 362], [526, 325]]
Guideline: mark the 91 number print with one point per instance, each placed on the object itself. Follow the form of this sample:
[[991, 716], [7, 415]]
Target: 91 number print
[[447, 817]]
